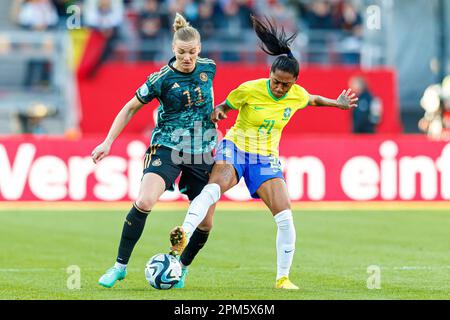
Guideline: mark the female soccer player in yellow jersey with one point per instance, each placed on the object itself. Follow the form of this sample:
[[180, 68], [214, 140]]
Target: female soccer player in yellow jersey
[[250, 148]]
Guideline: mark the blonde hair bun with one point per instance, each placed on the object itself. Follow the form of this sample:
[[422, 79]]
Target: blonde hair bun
[[183, 30], [180, 22]]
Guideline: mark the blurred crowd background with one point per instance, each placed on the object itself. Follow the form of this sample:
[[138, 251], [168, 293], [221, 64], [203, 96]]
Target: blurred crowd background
[[39, 37], [334, 28]]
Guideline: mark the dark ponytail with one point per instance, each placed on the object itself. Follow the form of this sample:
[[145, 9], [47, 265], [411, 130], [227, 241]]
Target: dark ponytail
[[276, 43]]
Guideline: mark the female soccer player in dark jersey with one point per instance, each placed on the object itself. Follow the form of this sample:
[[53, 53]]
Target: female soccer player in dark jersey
[[250, 148], [182, 141]]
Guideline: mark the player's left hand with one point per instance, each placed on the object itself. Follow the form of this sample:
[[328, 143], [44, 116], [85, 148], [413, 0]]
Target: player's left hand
[[217, 115], [347, 100]]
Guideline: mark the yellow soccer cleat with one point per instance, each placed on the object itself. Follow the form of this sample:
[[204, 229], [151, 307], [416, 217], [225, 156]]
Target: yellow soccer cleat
[[178, 240], [285, 283]]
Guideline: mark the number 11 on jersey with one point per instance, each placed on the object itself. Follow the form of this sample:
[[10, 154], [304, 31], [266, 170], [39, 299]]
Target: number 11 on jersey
[[198, 90]]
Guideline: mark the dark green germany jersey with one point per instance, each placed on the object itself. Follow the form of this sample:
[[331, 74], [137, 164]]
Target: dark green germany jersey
[[186, 101]]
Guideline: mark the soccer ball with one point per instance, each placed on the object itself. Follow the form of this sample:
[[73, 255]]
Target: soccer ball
[[163, 271]]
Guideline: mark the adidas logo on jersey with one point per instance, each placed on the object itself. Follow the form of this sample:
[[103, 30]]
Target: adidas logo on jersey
[[176, 85]]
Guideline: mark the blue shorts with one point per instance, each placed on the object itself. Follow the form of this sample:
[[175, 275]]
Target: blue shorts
[[255, 168]]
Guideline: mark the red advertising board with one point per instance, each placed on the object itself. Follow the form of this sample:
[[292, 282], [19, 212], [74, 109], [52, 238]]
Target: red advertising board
[[316, 168], [103, 96]]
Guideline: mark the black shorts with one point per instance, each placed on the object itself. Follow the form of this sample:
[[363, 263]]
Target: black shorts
[[169, 163]]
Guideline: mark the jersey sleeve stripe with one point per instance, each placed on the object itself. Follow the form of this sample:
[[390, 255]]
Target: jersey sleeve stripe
[[306, 94], [204, 60], [230, 105], [306, 104], [153, 81], [158, 73], [153, 76]]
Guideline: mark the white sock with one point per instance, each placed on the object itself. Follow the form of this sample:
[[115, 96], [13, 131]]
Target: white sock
[[199, 207], [120, 265], [285, 242]]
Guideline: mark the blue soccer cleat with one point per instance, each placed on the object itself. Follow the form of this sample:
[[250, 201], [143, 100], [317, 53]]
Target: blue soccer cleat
[[111, 276], [180, 284]]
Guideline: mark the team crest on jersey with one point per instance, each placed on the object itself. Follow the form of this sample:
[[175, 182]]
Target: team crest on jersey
[[287, 114], [203, 77], [157, 162]]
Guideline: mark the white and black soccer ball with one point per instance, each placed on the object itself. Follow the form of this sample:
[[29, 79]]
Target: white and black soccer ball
[[163, 271]]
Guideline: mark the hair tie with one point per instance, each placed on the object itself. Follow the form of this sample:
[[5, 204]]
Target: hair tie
[[290, 55]]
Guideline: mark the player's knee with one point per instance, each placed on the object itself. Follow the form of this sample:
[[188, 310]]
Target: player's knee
[[145, 203], [224, 176], [280, 208], [279, 205]]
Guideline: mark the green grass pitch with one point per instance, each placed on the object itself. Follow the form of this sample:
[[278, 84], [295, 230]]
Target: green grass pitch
[[334, 250]]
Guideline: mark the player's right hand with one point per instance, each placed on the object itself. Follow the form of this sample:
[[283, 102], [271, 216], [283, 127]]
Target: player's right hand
[[347, 100], [217, 115], [101, 151]]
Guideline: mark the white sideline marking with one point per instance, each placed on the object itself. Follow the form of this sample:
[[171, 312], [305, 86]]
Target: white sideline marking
[[402, 268], [420, 267], [30, 269], [57, 269], [230, 205]]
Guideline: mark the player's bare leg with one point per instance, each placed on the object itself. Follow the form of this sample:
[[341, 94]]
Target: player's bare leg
[[275, 195], [223, 174], [152, 187], [207, 223]]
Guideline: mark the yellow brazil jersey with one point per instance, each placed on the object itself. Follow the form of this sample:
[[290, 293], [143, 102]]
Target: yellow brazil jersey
[[262, 116]]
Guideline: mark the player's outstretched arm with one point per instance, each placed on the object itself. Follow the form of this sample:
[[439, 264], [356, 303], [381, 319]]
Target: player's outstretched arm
[[121, 120], [220, 112], [345, 101]]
